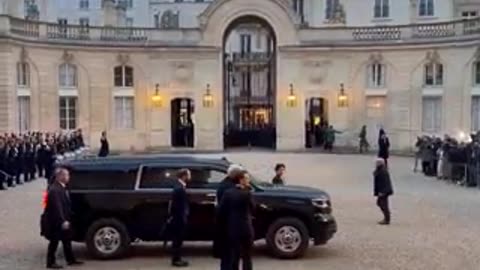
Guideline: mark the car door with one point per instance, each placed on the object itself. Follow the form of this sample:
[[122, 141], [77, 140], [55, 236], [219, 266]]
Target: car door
[[154, 192], [202, 193]]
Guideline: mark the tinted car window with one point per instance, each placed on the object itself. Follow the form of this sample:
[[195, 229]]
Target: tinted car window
[[206, 178], [108, 179], [157, 177]]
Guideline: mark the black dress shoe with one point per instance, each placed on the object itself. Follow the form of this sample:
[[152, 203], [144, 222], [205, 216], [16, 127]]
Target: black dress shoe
[[384, 222], [180, 263], [54, 266], [75, 263]]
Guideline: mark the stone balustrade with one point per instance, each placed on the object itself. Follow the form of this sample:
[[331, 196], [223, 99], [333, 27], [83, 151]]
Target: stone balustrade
[[323, 36]]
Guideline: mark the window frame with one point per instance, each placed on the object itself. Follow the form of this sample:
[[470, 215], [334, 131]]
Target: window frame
[[23, 117], [123, 76], [475, 120], [124, 125], [476, 73], [330, 8], [436, 67], [71, 80], [67, 109], [429, 8], [84, 4], [376, 75], [23, 74], [381, 9], [440, 120]]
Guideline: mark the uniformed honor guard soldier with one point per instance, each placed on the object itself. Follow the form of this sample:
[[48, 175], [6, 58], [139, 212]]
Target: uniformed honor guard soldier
[[19, 161], [11, 162], [30, 152], [41, 156], [50, 158]]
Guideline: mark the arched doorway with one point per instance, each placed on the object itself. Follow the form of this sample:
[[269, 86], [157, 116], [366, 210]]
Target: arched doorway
[[316, 121], [183, 125], [249, 68]]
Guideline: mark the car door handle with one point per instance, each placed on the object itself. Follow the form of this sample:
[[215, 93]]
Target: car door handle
[[211, 195]]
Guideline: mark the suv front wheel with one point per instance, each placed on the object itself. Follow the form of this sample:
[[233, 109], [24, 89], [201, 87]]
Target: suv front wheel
[[288, 238], [107, 238]]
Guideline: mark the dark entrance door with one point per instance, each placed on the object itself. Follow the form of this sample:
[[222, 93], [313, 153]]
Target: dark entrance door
[[249, 84], [183, 127], [316, 121]]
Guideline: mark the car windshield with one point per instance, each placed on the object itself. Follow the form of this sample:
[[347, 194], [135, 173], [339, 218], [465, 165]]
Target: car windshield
[[259, 183]]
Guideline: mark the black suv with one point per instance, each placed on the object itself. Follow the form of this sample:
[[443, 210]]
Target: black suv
[[119, 200]]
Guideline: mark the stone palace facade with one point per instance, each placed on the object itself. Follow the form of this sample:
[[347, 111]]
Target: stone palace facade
[[210, 75]]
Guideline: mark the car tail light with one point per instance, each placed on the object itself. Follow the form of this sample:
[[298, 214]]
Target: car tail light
[[44, 199]]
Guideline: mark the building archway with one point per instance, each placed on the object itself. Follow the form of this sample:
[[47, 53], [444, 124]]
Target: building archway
[[249, 83], [182, 122], [316, 121]]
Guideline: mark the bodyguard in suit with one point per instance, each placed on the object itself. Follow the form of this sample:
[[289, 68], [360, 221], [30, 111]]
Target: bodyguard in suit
[[226, 184], [56, 220], [235, 212], [382, 189], [179, 212]]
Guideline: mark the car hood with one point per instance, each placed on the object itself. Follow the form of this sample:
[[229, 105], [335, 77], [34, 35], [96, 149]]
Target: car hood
[[296, 191]]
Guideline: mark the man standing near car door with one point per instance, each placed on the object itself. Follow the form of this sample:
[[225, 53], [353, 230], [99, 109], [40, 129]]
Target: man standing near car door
[[225, 185], [56, 220], [179, 212]]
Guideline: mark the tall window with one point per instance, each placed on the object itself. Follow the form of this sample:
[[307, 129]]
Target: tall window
[[475, 113], [476, 72], [124, 112], [68, 113], [426, 8], [376, 75], [469, 14], [156, 20], [23, 107], [432, 114], [331, 7], [23, 74], [433, 74], [129, 3], [84, 4], [129, 22], [245, 43], [67, 75], [85, 22], [298, 7], [123, 76], [381, 9]]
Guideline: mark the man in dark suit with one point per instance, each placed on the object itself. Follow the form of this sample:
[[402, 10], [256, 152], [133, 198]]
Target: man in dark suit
[[56, 220], [226, 184], [382, 189], [179, 211], [236, 213]]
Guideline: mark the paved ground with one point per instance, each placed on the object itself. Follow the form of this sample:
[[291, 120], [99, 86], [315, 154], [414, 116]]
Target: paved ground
[[435, 225]]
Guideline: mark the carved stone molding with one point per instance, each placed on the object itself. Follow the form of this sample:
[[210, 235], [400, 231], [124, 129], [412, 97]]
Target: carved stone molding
[[67, 56], [376, 58], [123, 58], [317, 70], [182, 71], [433, 56]]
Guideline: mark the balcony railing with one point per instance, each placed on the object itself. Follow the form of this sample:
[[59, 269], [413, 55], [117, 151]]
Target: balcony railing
[[324, 36]]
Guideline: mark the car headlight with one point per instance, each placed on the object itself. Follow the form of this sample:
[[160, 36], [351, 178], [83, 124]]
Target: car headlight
[[322, 202]]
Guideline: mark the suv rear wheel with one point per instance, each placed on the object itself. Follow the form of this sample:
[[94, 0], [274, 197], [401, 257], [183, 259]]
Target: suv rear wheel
[[288, 238], [107, 238]]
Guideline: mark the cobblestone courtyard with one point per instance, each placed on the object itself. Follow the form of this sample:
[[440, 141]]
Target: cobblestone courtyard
[[435, 225]]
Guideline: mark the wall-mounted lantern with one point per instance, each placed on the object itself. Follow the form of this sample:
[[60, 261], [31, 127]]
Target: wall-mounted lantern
[[156, 98], [342, 97], [291, 98], [207, 98]]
